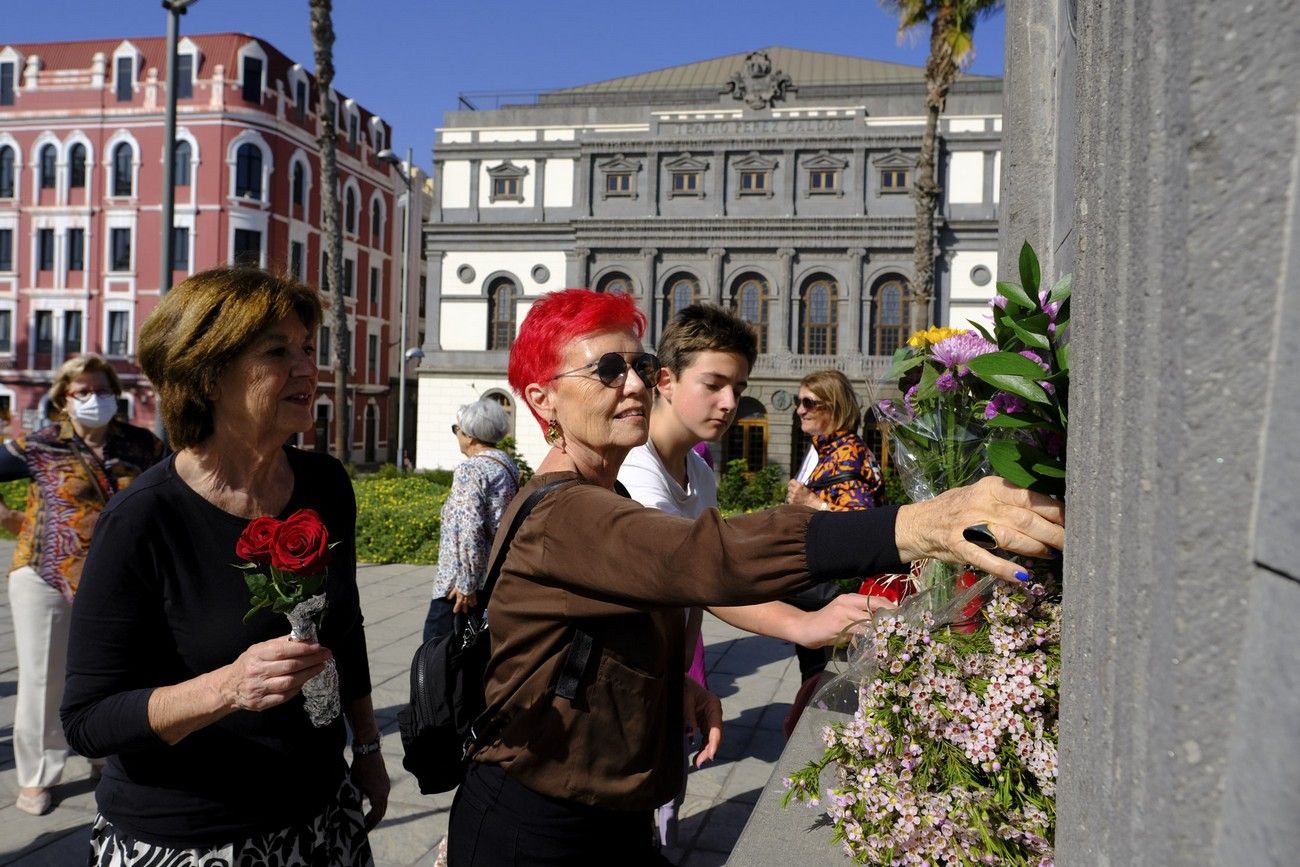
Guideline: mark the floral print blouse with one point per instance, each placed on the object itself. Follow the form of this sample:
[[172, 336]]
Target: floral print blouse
[[844, 454], [481, 488], [70, 486]]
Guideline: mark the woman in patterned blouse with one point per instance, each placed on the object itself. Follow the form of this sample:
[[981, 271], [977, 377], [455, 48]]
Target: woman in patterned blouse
[[481, 488], [840, 472], [75, 466]]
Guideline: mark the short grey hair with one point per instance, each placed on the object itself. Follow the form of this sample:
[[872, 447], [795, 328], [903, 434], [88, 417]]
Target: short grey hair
[[484, 420]]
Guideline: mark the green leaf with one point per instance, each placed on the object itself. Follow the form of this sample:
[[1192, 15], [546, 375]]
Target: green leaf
[[1030, 338], [1019, 386], [1061, 290], [983, 332], [1014, 420], [1029, 271], [1026, 466], [1015, 295], [926, 388], [903, 365], [1005, 364]]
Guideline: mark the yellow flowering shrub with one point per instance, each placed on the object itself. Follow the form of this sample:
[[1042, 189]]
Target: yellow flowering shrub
[[399, 518]]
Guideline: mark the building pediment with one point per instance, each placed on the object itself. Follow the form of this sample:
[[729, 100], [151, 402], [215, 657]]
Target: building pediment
[[507, 169], [687, 163], [620, 164], [822, 160], [895, 159], [755, 160]]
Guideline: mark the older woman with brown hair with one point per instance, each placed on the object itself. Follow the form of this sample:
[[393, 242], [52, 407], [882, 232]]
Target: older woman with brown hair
[[196, 702], [585, 689], [76, 466], [839, 473]]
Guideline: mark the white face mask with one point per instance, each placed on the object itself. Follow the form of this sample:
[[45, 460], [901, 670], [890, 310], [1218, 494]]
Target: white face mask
[[93, 411]]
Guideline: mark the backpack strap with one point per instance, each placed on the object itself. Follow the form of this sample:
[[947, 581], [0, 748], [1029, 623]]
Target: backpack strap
[[848, 476]]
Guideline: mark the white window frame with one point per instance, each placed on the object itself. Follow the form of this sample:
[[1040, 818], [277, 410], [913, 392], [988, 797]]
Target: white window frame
[[43, 140], [122, 50], [351, 183], [249, 136], [11, 142], [252, 48], [111, 307], [109, 147], [377, 243]]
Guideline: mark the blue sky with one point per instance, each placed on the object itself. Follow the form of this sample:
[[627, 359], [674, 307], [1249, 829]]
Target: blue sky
[[408, 59]]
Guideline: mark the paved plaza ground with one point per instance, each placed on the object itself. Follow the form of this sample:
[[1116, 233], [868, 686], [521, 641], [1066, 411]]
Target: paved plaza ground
[[756, 678]]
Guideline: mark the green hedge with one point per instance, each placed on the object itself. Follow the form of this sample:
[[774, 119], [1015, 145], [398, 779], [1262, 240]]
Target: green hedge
[[741, 491], [15, 496], [399, 517]]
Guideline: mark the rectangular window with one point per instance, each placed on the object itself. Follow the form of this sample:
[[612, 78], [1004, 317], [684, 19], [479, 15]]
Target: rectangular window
[[893, 180], [295, 260], [6, 84], [686, 182], [45, 249], [618, 184], [248, 248], [752, 182], [76, 249], [354, 131], [184, 76], [125, 78], [300, 99], [323, 348], [374, 286], [6, 331], [120, 254], [823, 181], [6, 249], [253, 80], [349, 272], [505, 188], [71, 332], [119, 332], [180, 248], [44, 330], [372, 358]]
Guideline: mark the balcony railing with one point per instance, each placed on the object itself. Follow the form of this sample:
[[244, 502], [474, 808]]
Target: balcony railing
[[856, 367]]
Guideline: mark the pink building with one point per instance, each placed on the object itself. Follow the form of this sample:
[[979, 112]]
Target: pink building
[[81, 155]]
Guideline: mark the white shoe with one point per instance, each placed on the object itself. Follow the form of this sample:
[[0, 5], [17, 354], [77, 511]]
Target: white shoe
[[37, 804]]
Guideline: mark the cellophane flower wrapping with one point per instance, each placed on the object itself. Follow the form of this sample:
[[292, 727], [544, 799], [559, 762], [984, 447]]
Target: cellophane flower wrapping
[[320, 695], [949, 756]]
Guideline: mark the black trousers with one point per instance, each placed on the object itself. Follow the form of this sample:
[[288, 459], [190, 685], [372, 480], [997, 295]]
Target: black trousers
[[497, 822]]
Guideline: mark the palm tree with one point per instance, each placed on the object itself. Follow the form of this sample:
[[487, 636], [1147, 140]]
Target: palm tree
[[322, 38], [952, 40]]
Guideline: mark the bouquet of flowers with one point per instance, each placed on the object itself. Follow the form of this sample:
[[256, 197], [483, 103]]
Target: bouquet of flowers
[[286, 563], [950, 755]]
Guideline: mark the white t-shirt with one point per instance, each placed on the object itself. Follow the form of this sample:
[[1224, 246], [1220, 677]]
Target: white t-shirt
[[648, 481], [809, 464]]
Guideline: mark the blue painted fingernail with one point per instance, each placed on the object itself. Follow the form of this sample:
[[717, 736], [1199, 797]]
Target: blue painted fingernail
[[1022, 576]]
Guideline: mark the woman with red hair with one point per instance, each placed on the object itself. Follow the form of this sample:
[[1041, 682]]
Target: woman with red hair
[[586, 688]]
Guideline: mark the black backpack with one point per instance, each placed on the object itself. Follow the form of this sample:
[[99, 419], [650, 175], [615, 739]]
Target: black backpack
[[442, 723]]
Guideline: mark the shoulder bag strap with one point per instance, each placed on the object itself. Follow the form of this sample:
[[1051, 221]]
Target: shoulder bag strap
[[849, 476], [511, 473], [504, 548]]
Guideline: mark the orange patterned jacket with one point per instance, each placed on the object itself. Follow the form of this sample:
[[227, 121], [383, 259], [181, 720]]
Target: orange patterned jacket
[[847, 476]]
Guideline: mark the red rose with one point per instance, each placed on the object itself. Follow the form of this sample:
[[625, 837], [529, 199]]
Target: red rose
[[255, 542], [301, 544], [970, 611]]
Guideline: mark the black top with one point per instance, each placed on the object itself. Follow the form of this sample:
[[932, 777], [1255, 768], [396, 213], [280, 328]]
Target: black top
[[161, 602]]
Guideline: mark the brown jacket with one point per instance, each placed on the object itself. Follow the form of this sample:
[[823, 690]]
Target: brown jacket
[[587, 558]]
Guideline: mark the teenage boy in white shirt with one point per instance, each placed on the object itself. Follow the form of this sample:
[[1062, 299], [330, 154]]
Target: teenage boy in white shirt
[[705, 357]]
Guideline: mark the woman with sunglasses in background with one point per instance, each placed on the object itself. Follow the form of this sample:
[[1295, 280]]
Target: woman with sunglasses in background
[[481, 488], [76, 466], [586, 688]]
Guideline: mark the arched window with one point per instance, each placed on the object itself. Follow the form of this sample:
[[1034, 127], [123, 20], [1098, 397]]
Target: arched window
[[350, 211], [501, 314], [820, 314], [890, 316], [77, 166], [248, 171], [299, 191], [681, 291], [747, 437], [122, 181], [376, 223], [617, 283], [181, 157], [749, 298], [6, 172], [506, 404], [49, 158]]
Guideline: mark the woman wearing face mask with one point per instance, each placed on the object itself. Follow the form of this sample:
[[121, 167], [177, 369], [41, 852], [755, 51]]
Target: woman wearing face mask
[[75, 465]]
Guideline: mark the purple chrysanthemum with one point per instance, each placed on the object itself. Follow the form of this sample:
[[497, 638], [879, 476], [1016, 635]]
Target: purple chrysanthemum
[[907, 399], [1002, 402], [946, 381], [956, 352]]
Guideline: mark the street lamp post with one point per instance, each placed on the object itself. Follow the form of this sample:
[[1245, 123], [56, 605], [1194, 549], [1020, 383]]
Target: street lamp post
[[386, 155]]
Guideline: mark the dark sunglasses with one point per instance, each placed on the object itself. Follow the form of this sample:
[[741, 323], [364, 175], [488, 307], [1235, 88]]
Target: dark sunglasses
[[611, 368], [808, 404], [455, 429]]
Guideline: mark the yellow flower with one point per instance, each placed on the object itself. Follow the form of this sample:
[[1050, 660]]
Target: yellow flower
[[931, 336]]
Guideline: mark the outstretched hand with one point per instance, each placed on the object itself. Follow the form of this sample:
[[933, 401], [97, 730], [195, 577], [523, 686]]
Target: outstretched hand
[[703, 712], [1022, 522], [834, 621]]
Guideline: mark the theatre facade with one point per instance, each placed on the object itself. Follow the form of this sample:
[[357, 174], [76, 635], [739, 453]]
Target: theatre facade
[[776, 183]]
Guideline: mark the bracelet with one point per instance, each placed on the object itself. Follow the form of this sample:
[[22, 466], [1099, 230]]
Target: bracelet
[[364, 749]]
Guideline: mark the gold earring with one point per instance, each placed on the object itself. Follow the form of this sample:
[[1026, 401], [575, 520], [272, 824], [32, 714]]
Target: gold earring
[[553, 432]]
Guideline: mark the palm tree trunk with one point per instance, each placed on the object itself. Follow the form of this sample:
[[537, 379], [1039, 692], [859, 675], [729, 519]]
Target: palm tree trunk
[[940, 72], [322, 37]]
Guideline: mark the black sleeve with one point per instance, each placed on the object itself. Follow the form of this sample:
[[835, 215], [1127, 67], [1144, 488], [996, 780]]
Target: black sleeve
[[13, 465], [348, 636], [853, 544], [111, 645]]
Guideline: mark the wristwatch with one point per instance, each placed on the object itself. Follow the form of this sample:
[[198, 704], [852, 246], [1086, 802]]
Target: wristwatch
[[364, 749]]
